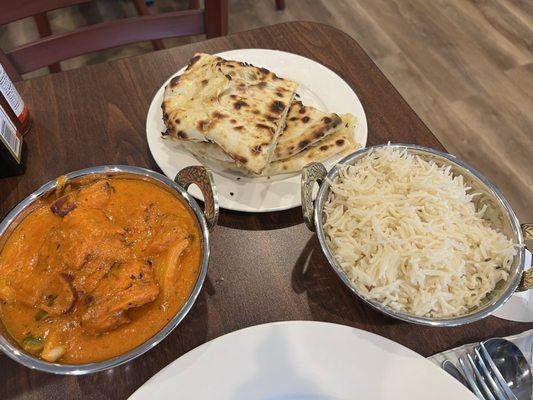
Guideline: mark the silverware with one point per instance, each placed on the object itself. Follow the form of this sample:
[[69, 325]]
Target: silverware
[[450, 368], [470, 379], [495, 372], [510, 367], [487, 375], [503, 218]]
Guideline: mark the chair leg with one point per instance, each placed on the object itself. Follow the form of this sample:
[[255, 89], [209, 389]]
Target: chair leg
[[280, 4], [142, 9], [43, 27], [216, 18]]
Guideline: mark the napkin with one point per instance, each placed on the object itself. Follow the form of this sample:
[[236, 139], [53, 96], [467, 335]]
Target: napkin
[[519, 307]]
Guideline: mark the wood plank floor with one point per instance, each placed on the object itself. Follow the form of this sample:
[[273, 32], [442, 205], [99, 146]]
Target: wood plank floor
[[465, 66]]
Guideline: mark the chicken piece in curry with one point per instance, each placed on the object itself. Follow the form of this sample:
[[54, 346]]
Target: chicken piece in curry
[[97, 270]]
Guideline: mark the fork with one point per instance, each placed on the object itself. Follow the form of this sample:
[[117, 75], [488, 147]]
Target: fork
[[476, 364], [487, 374], [494, 369]]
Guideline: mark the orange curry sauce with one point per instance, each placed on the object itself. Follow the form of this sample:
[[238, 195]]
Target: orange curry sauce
[[96, 271]]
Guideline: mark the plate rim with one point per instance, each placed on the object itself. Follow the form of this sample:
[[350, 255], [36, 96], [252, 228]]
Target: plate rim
[[288, 324]]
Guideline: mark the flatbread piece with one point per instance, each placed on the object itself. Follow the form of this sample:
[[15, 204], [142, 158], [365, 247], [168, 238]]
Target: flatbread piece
[[239, 107]]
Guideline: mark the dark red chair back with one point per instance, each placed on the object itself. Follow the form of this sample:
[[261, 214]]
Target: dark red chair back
[[212, 21]]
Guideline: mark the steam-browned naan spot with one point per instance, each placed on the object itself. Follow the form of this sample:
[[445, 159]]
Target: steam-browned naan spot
[[303, 144], [177, 121], [319, 133], [241, 160], [218, 115], [277, 107], [263, 126], [293, 118], [233, 121], [239, 104], [305, 119], [256, 111], [326, 120], [271, 118], [228, 76], [193, 61], [324, 148], [264, 71], [339, 142], [202, 125], [239, 128], [205, 82], [256, 150], [182, 135], [262, 85], [279, 94], [233, 96], [302, 110], [174, 81]]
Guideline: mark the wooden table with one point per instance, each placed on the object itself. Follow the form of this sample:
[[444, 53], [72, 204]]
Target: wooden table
[[264, 267]]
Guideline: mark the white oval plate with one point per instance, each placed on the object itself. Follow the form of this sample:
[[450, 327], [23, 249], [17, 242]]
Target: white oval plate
[[302, 360], [320, 87]]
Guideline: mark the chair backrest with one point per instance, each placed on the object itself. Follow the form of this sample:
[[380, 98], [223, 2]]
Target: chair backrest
[[212, 21]]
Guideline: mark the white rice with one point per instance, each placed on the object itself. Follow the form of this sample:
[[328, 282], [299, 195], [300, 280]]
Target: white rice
[[407, 234]]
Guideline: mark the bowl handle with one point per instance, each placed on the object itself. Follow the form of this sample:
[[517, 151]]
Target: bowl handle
[[526, 282], [311, 173], [201, 177]]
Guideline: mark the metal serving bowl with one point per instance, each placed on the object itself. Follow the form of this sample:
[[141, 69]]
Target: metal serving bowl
[[206, 219], [499, 213]]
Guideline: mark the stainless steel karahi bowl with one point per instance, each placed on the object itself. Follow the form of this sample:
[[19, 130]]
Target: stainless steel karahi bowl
[[499, 213], [206, 218]]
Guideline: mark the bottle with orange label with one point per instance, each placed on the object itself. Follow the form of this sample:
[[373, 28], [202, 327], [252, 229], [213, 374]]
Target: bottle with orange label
[[14, 123]]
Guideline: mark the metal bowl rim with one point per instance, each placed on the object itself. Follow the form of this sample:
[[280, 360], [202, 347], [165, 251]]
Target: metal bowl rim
[[436, 322], [88, 368]]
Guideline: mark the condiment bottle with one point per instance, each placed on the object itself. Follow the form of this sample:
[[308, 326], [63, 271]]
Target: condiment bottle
[[14, 122], [13, 104]]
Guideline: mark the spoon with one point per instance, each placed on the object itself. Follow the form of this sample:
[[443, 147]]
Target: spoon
[[512, 365]]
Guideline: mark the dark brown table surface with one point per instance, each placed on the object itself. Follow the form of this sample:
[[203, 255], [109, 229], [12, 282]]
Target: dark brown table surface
[[264, 267]]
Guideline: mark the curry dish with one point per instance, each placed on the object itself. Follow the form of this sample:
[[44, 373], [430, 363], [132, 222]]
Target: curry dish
[[98, 269]]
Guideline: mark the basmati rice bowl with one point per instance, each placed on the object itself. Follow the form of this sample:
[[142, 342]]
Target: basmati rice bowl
[[419, 235]]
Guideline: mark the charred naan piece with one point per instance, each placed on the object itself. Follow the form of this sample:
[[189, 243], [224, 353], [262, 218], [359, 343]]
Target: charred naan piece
[[304, 127], [341, 142], [239, 107]]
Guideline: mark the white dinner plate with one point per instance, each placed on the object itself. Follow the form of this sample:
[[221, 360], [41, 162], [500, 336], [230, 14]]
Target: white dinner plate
[[320, 87], [302, 360]]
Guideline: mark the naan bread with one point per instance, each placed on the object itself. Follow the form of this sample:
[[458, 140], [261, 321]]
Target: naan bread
[[239, 107], [340, 142], [304, 126], [207, 150]]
